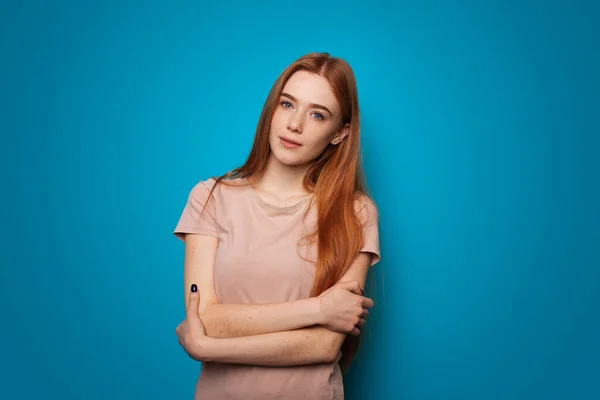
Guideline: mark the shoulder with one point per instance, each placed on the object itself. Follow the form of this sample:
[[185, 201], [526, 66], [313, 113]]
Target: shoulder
[[209, 187], [364, 203], [202, 188], [366, 209]]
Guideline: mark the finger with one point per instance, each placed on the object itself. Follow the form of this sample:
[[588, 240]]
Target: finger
[[355, 332], [367, 303], [361, 322], [192, 310], [365, 313]]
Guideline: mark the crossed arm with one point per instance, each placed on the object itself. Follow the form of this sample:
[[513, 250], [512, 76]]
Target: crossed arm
[[282, 334]]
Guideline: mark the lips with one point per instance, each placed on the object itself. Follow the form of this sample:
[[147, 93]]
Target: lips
[[290, 140]]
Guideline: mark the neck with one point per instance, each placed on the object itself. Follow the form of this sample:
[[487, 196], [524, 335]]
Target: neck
[[282, 180]]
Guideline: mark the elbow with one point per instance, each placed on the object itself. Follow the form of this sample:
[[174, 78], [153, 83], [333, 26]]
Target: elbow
[[330, 356]]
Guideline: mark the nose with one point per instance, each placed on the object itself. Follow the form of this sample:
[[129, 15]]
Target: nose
[[295, 122]]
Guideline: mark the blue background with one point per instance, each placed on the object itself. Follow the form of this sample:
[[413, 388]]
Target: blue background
[[480, 140]]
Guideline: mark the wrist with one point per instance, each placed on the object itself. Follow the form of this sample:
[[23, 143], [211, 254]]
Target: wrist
[[316, 310]]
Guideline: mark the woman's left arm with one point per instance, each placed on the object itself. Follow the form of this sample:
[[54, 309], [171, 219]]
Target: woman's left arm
[[311, 345]]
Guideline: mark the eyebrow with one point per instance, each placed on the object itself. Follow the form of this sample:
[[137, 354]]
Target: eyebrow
[[312, 105]]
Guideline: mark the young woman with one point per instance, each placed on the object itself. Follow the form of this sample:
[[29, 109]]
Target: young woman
[[277, 251]]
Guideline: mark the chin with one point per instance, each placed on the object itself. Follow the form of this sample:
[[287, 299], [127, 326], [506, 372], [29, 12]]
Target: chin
[[288, 160]]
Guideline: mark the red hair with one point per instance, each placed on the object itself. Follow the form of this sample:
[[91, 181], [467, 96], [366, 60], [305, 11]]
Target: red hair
[[336, 177]]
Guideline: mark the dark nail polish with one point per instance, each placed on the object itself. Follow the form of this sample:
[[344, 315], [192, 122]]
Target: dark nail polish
[[194, 288]]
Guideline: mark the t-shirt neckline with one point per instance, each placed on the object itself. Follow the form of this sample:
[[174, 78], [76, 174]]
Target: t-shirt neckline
[[285, 209]]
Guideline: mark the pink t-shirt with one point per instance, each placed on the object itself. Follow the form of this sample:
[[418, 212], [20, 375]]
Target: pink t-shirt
[[259, 261]]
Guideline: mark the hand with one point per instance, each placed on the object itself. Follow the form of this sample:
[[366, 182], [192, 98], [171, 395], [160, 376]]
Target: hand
[[190, 332], [343, 308]]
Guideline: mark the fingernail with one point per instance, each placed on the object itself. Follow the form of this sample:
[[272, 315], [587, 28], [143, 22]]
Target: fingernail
[[361, 291], [194, 288]]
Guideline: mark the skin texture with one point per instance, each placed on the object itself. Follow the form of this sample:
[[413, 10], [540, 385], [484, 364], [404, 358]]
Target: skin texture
[[298, 119], [297, 347]]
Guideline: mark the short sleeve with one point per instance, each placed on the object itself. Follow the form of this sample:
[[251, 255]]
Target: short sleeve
[[369, 218], [195, 218]]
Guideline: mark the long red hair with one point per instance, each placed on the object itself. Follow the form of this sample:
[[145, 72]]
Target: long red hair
[[336, 177]]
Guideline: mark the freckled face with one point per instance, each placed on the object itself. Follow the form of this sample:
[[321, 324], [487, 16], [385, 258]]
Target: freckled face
[[306, 119]]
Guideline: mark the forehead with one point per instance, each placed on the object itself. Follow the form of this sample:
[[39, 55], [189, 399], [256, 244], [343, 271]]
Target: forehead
[[309, 88]]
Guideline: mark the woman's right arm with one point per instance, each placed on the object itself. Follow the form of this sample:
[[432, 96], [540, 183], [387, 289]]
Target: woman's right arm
[[236, 320]]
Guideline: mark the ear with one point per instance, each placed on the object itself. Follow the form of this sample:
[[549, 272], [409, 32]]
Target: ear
[[341, 135]]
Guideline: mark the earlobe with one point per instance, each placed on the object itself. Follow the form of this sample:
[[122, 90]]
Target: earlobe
[[337, 140], [341, 135]]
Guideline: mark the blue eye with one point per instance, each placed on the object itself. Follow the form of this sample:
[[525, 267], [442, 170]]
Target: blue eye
[[318, 116], [286, 104]]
